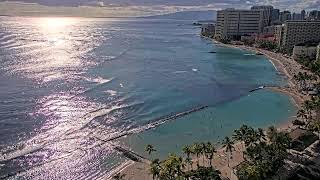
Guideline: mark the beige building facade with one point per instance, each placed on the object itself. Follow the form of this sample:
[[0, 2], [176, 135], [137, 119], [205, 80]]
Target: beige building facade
[[297, 32], [233, 23]]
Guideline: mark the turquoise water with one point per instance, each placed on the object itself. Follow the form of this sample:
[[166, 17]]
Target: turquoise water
[[259, 109], [70, 86]]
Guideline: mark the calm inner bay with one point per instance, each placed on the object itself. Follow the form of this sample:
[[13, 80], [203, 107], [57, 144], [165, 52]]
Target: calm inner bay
[[70, 86]]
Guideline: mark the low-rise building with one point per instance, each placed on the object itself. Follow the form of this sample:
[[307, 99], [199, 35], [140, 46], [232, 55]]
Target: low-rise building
[[269, 30], [297, 32], [248, 40], [305, 51]]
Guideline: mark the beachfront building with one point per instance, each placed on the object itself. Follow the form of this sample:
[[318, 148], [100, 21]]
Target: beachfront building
[[208, 30], [297, 32], [233, 23], [305, 51]]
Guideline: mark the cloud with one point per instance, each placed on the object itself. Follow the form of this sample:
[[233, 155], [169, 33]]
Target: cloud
[[92, 10], [140, 7], [292, 5]]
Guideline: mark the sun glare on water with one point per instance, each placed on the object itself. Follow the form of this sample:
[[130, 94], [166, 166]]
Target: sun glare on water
[[53, 24], [57, 36], [55, 28]]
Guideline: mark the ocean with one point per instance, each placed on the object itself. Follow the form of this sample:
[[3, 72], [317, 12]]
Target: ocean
[[72, 89]]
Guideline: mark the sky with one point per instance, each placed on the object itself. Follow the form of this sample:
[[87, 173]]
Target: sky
[[120, 8]]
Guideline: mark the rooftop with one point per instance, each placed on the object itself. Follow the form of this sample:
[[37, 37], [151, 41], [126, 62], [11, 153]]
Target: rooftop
[[309, 43]]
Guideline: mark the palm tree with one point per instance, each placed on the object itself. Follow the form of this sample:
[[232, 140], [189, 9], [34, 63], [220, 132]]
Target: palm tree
[[271, 132], [281, 140], [209, 151], [301, 79], [197, 150], [174, 164], [119, 176], [260, 135], [206, 173], [248, 171], [203, 152], [302, 114], [241, 135], [187, 150], [228, 144], [304, 79], [189, 162], [149, 149], [155, 168], [309, 78], [308, 107]]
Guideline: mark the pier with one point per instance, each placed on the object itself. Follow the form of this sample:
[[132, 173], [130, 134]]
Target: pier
[[130, 154], [258, 88]]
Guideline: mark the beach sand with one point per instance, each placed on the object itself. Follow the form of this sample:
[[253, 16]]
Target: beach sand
[[285, 66], [140, 171]]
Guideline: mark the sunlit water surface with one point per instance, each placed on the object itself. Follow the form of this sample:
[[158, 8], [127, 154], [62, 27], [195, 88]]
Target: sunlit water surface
[[68, 86]]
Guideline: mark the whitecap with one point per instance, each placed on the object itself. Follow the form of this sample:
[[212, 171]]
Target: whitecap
[[194, 70], [98, 80], [111, 92], [121, 85], [179, 72], [249, 54], [110, 57], [21, 152]]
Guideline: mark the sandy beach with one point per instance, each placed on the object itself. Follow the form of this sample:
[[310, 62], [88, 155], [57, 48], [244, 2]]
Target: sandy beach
[[285, 66]]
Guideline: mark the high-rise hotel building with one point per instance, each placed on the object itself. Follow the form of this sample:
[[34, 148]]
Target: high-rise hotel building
[[296, 32], [233, 23]]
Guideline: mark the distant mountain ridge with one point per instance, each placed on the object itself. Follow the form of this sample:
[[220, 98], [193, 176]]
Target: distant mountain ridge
[[188, 15]]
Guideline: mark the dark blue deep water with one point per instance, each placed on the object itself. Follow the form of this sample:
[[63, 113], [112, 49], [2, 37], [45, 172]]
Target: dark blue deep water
[[68, 85]]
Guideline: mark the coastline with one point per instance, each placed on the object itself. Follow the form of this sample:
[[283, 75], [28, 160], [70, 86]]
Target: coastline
[[285, 66]]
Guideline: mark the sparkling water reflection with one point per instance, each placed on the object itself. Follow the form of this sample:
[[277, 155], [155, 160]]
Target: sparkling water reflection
[[68, 85]]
